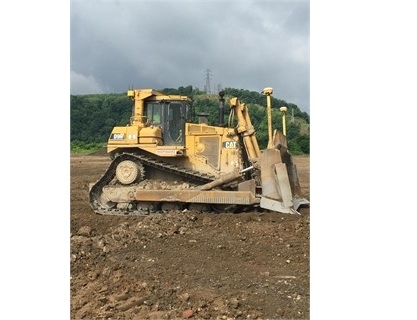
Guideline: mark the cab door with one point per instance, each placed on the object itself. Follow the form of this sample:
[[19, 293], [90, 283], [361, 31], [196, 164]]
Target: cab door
[[175, 124]]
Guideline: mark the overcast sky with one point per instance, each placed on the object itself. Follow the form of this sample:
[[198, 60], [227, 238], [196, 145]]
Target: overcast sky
[[363, 68], [160, 44]]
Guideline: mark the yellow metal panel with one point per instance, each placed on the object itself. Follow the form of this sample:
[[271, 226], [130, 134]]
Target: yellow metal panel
[[150, 135], [118, 136]]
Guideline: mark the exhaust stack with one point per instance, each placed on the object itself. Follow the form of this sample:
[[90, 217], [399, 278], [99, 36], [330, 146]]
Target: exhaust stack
[[221, 108]]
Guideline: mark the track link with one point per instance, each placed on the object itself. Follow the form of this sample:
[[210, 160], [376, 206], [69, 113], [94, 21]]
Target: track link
[[96, 189]]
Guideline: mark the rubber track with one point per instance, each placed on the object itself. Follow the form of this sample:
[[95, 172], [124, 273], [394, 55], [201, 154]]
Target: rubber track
[[110, 173]]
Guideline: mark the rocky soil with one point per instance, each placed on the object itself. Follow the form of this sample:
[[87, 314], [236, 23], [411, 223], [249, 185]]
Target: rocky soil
[[179, 265]]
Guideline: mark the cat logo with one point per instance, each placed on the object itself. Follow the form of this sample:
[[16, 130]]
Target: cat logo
[[230, 144]]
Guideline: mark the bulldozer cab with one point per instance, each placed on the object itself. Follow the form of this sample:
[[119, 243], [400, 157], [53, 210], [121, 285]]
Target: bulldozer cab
[[170, 116], [154, 113]]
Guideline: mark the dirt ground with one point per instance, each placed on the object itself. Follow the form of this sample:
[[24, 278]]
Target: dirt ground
[[252, 265]]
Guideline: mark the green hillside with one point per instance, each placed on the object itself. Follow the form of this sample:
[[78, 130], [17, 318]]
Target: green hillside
[[93, 116]]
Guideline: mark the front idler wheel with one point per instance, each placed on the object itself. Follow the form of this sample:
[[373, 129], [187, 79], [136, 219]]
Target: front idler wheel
[[128, 172]]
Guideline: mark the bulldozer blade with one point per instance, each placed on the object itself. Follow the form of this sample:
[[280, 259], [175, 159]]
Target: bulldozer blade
[[278, 206], [275, 205], [274, 176], [280, 186], [292, 172], [299, 202]]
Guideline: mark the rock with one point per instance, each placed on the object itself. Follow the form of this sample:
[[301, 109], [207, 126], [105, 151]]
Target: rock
[[93, 275], [182, 230], [185, 296], [187, 314], [234, 303], [85, 231]]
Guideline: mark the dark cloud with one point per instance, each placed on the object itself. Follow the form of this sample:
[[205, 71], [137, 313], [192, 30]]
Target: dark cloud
[[246, 44]]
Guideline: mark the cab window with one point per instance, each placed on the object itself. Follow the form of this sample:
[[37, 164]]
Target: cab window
[[154, 113]]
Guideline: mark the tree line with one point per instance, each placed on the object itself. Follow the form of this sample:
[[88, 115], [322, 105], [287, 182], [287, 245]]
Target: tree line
[[93, 116]]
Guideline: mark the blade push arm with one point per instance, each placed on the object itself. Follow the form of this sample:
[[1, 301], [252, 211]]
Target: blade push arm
[[246, 129]]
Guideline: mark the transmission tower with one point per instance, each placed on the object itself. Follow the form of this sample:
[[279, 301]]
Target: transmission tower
[[207, 87]]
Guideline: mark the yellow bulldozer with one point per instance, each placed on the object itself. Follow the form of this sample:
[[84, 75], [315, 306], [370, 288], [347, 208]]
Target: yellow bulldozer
[[162, 161]]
